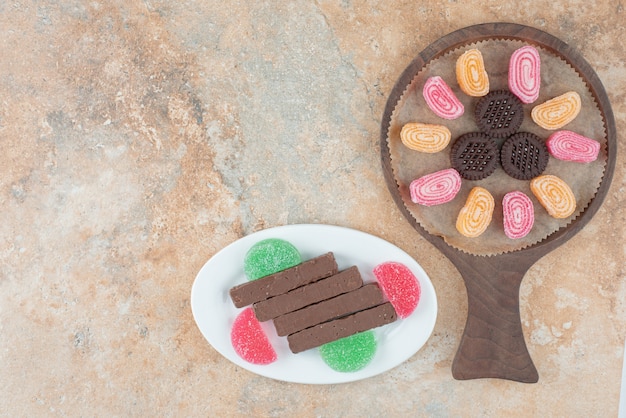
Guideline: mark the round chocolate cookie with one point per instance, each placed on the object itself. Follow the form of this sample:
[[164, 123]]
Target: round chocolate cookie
[[499, 114], [474, 155], [524, 156]]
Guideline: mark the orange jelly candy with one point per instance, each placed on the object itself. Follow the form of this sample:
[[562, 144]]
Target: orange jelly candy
[[554, 195], [557, 112], [425, 137], [471, 74], [475, 216]]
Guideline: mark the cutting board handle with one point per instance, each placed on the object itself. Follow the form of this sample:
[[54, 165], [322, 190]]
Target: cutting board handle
[[492, 345]]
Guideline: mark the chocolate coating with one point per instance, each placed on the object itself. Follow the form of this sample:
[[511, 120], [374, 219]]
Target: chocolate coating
[[343, 327], [284, 281], [362, 298], [342, 282]]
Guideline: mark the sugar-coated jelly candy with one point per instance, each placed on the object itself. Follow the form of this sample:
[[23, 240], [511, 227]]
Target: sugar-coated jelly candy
[[250, 341], [557, 112], [525, 73], [554, 195], [570, 146], [441, 99], [475, 216], [399, 285], [350, 354], [518, 214], [436, 188], [268, 257], [471, 74], [424, 137]]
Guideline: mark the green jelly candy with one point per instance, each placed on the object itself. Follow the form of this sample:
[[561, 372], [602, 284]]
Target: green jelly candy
[[350, 354], [268, 257]]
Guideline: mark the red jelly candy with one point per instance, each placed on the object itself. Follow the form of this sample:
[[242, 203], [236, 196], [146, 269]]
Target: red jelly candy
[[400, 286], [249, 339]]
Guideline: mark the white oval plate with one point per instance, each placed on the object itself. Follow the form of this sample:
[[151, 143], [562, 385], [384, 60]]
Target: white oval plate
[[214, 312]]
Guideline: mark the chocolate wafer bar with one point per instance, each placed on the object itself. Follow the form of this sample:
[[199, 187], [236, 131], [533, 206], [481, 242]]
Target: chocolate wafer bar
[[357, 300], [343, 327], [342, 282], [284, 281]]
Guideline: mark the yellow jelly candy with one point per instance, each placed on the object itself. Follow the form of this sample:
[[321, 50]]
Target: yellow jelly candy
[[425, 137], [471, 74], [475, 216], [557, 112], [554, 195]]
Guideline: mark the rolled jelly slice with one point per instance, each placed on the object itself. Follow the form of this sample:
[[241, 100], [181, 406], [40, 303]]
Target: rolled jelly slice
[[423, 137], [350, 354], [471, 74], [436, 188], [250, 341], [554, 195], [570, 146], [525, 74], [518, 214], [268, 257], [557, 112], [475, 216], [400, 286], [441, 99]]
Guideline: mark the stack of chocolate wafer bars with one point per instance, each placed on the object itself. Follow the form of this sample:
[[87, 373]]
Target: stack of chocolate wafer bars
[[314, 303]]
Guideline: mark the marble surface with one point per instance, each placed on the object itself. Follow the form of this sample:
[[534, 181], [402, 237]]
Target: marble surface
[[138, 138]]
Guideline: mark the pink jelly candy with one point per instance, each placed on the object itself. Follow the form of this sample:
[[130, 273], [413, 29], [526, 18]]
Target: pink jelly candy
[[250, 341], [518, 214], [436, 188], [525, 74], [399, 285], [441, 99], [570, 146]]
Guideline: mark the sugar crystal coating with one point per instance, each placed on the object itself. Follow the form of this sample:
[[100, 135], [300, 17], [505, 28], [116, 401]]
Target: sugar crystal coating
[[441, 99], [525, 73], [350, 354], [424, 137], [554, 195], [558, 111], [435, 188], [570, 146], [471, 74], [475, 216], [270, 256], [399, 285], [250, 341], [518, 214]]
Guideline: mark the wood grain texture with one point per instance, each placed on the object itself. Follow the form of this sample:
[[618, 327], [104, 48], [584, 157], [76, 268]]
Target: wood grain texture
[[492, 345]]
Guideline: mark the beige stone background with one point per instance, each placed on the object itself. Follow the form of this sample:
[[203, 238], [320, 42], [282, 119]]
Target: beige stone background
[[138, 138]]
